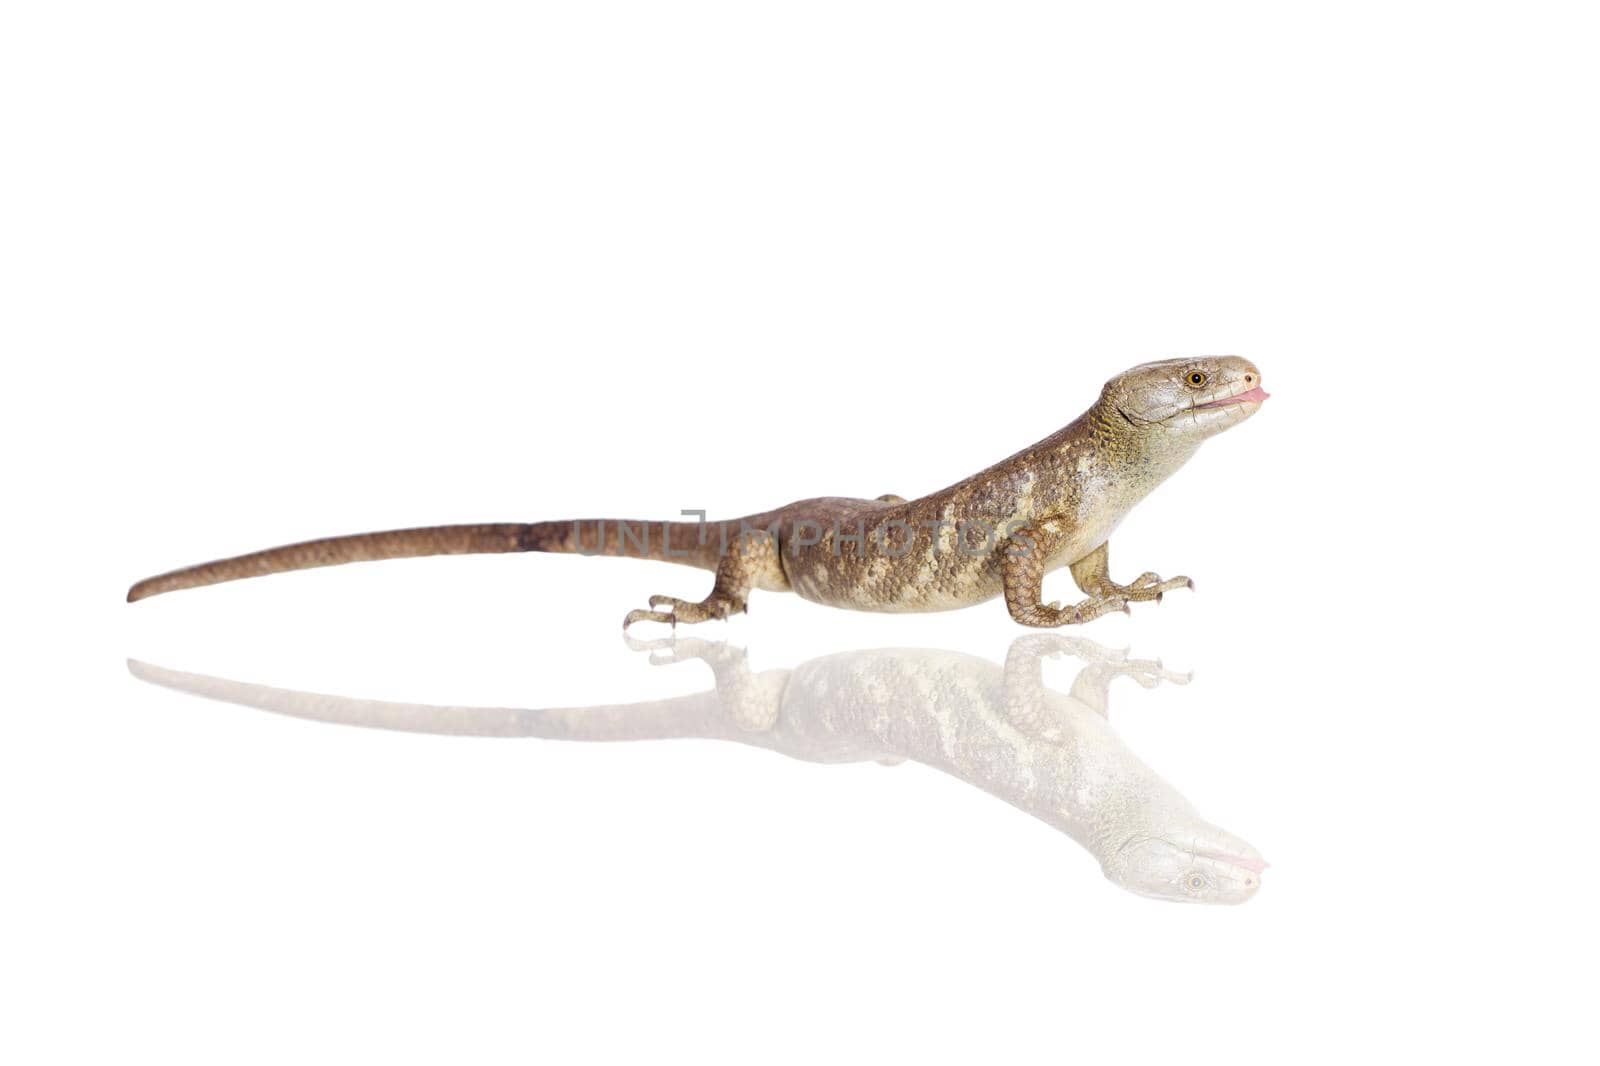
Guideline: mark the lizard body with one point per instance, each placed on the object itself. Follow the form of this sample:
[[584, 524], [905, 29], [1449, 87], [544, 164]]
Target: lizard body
[[996, 533]]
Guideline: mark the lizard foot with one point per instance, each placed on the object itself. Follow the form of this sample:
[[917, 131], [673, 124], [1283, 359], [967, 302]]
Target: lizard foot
[[1147, 586], [1052, 614], [718, 606]]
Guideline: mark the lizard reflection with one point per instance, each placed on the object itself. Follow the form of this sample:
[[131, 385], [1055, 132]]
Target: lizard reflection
[[1051, 754]]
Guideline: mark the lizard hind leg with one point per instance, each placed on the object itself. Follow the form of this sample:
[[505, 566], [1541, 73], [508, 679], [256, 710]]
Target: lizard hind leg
[[729, 596]]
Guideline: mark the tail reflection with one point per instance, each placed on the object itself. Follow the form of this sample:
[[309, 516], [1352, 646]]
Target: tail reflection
[[1000, 729]]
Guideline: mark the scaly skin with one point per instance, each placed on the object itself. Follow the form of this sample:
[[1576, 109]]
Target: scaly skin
[[997, 533], [1051, 755]]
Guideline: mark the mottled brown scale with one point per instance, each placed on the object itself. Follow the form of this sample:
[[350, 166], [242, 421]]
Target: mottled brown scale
[[996, 533]]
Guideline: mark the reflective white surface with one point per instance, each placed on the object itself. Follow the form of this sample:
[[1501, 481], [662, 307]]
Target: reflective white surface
[[195, 866]]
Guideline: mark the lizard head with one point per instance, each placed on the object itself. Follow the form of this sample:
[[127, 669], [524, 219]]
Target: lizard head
[[1194, 863], [1192, 399]]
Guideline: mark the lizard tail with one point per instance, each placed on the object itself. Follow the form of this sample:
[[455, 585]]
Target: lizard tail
[[678, 542]]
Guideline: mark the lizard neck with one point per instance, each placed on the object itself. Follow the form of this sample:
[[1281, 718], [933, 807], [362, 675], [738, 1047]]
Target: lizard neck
[[1141, 452], [1084, 477], [1092, 472]]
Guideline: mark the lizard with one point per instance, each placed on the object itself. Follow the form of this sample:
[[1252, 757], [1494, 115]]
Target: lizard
[[994, 534], [1001, 729]]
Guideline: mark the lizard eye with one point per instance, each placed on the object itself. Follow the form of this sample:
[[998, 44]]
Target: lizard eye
[[1197, 378]]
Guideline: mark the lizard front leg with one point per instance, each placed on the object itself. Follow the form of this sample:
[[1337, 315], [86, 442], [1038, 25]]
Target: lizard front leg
[[1093, 575], [1022, 573]]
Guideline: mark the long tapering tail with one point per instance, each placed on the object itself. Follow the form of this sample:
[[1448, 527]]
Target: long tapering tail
[[679, 542]]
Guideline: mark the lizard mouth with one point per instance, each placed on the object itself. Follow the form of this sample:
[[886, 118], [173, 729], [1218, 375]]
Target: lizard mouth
[[1252, 395]]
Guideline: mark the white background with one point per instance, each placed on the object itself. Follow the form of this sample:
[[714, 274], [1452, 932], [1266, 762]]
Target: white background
[[279, 271]]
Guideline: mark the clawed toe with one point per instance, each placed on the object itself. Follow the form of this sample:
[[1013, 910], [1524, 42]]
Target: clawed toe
[[1148, 586], [684, 612], [642, 615]]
